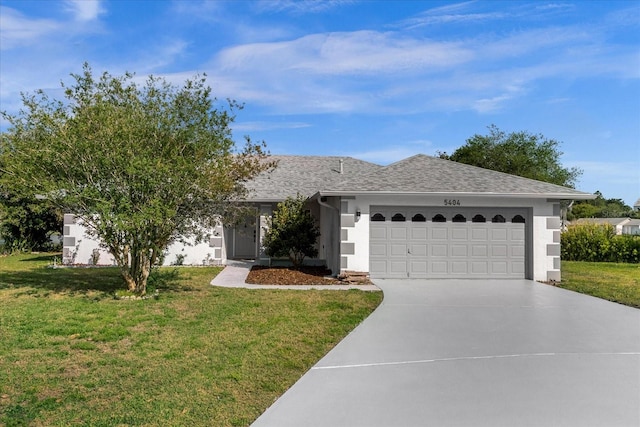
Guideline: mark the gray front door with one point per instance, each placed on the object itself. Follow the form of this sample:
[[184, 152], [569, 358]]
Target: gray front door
[[244, 239]]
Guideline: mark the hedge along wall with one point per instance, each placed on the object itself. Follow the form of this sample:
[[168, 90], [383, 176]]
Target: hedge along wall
[[598, 243]]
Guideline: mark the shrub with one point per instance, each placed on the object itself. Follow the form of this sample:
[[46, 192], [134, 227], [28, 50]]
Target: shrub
[[598, 243], [292, 232]]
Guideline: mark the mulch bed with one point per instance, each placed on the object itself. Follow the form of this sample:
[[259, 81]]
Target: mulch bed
[[264, 275]]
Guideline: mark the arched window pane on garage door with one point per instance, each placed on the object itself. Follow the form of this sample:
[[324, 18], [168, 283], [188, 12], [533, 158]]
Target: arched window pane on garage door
[[479, 218], [518, 219], [498, 219], [418, 218], [398, 218], [459, 218], [439, 218], [378, 217]]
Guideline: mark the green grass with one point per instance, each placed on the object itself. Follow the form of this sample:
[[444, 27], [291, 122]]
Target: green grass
[[70, 354], [614, 282]]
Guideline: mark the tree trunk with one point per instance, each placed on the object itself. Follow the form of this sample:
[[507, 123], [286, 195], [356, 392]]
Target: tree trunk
[[135, 267]]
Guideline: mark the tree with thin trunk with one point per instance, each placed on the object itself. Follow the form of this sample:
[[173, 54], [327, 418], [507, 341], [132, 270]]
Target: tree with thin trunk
[[140, 164]]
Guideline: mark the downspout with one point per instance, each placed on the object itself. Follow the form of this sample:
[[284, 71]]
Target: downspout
[[337, 252]]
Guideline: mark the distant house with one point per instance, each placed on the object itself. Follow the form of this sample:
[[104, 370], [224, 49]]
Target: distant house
[[421, 217], [636, 205], [621, 225]]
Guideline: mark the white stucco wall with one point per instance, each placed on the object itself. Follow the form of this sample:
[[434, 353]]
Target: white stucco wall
[[78, 247]]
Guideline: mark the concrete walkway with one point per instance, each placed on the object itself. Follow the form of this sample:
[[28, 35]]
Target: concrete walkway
[[235, 273], [475, 353]]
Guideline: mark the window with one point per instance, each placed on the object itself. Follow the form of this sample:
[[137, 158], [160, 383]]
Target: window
[[479, 218], [518, 219], [459, 218], [439, 218], [378, 217], [398, 218], [418, 218], [498, 218]]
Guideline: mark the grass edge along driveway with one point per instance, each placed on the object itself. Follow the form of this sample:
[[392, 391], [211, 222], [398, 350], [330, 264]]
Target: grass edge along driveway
[[70, 354], [615, 282]]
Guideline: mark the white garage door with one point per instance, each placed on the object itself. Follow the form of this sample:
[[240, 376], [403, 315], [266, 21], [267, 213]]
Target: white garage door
[[447, 242]]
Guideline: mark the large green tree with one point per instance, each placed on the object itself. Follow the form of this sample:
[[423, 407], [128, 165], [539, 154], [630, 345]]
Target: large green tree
[[141, 164], [518, 153]]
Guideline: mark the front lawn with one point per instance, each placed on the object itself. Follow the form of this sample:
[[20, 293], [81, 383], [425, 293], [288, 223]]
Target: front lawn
[[70, 354], [614, 282]]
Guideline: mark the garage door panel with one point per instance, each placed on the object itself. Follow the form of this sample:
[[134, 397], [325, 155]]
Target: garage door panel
[[459, 233], [398, 267], [459, 267], [459, 251], [377, 266], [398, 233], [417, 250], [517, 251], [481, 251], [498, 250], [499, 267], [378, 233], [480, 267], [479, 233], [378, 249], [419, 267], [499, 234], [439, 267], [517, 234], [439, 233], [419, 233], [439, 250], [517, 267], [398, 250]]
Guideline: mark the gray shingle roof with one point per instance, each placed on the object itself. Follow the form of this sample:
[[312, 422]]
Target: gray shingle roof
[[426, 174], [308, 175], [304, 175]]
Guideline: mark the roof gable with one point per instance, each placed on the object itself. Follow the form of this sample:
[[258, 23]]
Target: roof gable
[[304, 175], [426, 174]]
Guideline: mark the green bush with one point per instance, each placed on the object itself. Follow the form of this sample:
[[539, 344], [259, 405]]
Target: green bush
[[292, 232], [599, 243]]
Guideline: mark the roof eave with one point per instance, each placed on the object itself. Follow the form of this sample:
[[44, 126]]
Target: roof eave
[[558, 196]]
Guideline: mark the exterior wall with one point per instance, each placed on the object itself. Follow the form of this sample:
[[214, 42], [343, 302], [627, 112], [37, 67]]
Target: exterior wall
[[543, 239], [330, 233], [78, 247]]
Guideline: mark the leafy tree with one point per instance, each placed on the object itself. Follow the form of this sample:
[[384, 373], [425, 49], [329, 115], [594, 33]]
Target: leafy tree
[[27, 222], [517, 153], [140, 164], [600, 208], [292, 232]]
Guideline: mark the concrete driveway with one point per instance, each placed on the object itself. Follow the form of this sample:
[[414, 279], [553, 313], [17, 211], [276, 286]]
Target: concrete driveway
[[475, 353]]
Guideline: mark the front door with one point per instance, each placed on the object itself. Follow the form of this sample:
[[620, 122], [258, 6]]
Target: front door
[[245, 235]]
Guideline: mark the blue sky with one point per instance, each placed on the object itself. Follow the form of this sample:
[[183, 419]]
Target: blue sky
[[371, 79]]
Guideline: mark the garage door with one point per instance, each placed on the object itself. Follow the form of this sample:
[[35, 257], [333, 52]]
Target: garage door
[[447, 242]]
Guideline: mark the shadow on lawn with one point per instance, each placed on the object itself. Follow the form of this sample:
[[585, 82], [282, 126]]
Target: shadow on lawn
[[83, 281]]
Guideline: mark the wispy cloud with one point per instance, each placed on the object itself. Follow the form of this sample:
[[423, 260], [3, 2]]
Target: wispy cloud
[[299, 7], [19, 30], [84, 10]]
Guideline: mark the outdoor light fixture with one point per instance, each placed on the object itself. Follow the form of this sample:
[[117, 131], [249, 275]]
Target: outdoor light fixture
[[358, 213]]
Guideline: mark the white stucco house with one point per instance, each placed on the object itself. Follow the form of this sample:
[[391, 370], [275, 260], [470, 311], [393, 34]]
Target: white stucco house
[[421, 217]]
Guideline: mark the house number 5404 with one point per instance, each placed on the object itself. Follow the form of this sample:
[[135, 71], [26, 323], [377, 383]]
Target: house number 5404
[[451, 202]]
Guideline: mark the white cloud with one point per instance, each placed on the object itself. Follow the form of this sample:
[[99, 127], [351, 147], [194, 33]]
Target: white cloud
[[84, 10], [18, 30]]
